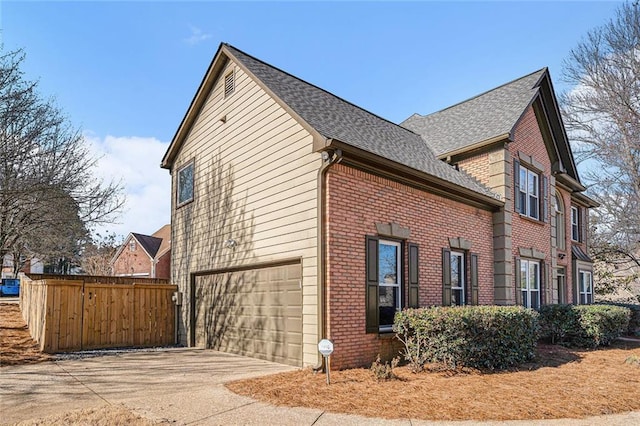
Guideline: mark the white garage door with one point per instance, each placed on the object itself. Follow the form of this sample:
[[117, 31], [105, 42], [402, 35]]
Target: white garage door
[[256, 312]]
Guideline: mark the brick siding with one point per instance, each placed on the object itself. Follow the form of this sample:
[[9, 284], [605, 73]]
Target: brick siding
[[356, 201]]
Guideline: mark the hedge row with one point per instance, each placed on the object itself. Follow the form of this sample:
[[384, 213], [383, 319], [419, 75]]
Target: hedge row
[[587, 326], [634, 321], [485, 337]]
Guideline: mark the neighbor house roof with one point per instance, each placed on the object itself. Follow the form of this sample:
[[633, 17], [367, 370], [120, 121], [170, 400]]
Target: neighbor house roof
[[335, 119], [490, 115], [149, 244], [164, 234]]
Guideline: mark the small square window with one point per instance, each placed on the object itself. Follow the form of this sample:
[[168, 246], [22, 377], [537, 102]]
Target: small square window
[[185, 184]]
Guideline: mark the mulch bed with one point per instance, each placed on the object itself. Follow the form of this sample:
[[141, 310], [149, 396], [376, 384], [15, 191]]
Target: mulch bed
[[16, 345], [561, 383]]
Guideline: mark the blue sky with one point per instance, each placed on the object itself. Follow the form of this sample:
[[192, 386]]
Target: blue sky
[[125, 72]]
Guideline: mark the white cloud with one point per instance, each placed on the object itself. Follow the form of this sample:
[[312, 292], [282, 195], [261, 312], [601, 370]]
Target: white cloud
[[197, 36], [135, 162]]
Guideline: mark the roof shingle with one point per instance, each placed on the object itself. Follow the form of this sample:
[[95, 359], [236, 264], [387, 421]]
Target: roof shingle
[[335, 118], [481, 118]]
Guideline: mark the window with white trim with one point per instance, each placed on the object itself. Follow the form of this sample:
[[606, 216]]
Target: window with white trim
[[575, 223], [560, 224], [458, 278], [390, 282], [530, 283], [132, 245], [185, 184], [529, 193], [585, 281]]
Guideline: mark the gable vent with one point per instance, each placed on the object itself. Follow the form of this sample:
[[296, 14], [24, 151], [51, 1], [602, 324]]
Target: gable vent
[[229, 84]]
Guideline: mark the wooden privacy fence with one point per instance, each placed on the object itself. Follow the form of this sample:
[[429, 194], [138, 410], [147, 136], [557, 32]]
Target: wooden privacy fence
[[70, 313]]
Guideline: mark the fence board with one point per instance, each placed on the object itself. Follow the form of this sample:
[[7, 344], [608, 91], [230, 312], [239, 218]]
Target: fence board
[[68, 313]]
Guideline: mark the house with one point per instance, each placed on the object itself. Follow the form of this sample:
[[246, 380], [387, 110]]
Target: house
[[144, 255], [32, 265], [298, 216]]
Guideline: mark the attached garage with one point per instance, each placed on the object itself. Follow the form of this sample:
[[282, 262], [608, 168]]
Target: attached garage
[[254, 312]]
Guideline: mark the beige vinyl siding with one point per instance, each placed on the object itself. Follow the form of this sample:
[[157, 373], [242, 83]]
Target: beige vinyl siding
[[266, 200]]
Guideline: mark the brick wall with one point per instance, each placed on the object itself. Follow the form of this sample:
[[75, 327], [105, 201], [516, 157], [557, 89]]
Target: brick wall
[[477, 166], [356, 201], [530, 233], [163, 267], [134, 262]]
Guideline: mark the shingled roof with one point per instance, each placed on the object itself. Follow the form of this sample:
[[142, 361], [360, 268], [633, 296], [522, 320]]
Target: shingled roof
[[484, 117], [149, 243], [335, 118]]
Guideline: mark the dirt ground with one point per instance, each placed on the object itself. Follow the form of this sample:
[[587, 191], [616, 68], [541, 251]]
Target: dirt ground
[[562, 383]]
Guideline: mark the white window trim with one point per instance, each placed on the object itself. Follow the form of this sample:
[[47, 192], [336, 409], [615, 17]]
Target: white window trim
[[575, 222], [398, 283], [587, 293], [132, 245], [525, 266], [561, 230], [193, 188], [525, 209], [461, 272]]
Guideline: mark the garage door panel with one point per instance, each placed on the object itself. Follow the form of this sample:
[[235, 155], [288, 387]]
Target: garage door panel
[[256, 313]]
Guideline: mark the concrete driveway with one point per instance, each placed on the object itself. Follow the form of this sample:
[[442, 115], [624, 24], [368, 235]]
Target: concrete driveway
[[177, 386]]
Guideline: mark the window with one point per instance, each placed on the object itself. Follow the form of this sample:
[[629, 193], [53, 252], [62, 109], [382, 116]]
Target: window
[[185, 184], [562, 285], [530, 283], [560, 224], [229, 84], [132, 245], [458, 288], [575, 223], [531, 193], [389, 280], [585, 281], [458, 278]]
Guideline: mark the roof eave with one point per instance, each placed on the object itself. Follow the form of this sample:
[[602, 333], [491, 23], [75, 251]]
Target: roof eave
[[381, 165], [506, 137]]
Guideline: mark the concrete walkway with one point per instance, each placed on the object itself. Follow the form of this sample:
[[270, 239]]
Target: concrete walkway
[[182, 387]]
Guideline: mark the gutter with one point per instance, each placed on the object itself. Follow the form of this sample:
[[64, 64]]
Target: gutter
[[328, 159]]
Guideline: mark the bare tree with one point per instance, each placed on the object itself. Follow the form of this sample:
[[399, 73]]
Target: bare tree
[[47, 187], [602, 116], [97, 255]]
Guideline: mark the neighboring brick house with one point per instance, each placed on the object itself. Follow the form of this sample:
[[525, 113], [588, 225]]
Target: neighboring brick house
[[144, 255], [298, 216]]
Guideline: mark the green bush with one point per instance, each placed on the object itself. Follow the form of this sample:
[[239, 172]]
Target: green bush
[[486, 337], [587, 326], [557, 322], [634, 321]]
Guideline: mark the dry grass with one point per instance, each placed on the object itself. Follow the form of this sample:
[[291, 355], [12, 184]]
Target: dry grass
[[562, 383], [108, 415], [16, 345]]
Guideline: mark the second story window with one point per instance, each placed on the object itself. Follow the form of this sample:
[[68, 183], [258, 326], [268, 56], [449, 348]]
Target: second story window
[[185, 184], [528, 193], [560, 224], [575, 223], [132, 245]]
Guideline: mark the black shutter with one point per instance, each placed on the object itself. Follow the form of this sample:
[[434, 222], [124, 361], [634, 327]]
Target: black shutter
[[517, 277], [413, 277], [516, 185], [545, 198], [371, 296], [446, 277], [474, 279]]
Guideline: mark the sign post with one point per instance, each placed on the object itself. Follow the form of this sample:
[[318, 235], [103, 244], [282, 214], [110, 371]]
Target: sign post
[[325, 347]]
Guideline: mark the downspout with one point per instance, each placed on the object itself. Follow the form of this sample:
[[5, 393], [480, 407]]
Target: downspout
[[328, 158]]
